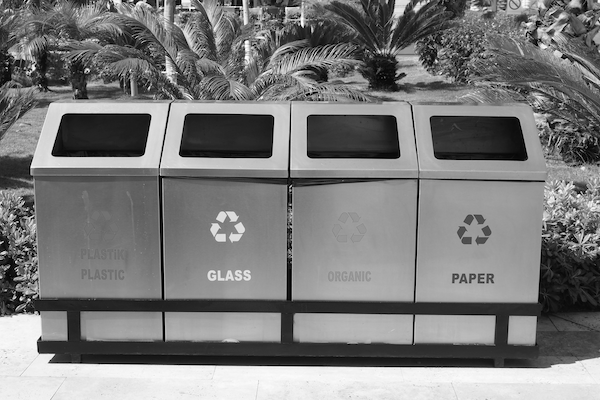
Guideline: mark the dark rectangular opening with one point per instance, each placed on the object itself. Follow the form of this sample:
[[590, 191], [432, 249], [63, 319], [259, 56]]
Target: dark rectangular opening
[[227, 136], [352, 136], [102, 135], [477, 138]]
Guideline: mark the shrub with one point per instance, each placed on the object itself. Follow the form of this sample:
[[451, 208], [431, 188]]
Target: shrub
[[455, 52], [570, 264], [18, 255], [574, 145]]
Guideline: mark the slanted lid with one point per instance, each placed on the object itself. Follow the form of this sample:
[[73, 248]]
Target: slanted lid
[[90, 138], [478, 142], [338, 140], [227, 139]]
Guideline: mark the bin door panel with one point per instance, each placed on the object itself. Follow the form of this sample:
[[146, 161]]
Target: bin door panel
[[224, 239], [98, 237], [479, 241], [354, 241]]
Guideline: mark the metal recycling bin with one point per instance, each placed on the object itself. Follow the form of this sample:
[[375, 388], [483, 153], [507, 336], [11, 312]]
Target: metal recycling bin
[[95, 173], [481, 190], [224, 177], [354, 196]]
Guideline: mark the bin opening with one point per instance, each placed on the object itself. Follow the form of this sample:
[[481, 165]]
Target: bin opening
[[352, 136], [102, 135], [477, 138], [227, 136]]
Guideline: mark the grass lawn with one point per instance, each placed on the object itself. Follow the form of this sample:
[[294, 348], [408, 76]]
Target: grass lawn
[[18, 145]]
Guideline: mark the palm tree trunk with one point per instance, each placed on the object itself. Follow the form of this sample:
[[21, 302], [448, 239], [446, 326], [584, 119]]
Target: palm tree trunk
[[169, 15], [380, 71], [41, 64], [246, 15], [78, 81]]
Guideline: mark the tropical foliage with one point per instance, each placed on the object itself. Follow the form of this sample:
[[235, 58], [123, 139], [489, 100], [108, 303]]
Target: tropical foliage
[[570, 267], [14, 102], [455, 52], [562, 82], [60, 26], [382, 37], [209, 60]]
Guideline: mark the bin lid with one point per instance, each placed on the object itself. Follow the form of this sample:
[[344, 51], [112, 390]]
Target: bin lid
[[357, 140], [98, 138], [227, 139], [478, 142]]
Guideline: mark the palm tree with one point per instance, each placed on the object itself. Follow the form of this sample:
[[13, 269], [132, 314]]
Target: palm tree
[[207, 54], [567, 87], [60, 27], [382, 36]]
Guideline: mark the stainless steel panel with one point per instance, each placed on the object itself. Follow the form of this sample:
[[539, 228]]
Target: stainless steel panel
[[44, 163], [354, 241], [228, 327], [353, 328], [224, 239], [174, 165], [522, 330], [479, 241], [455, 329], [532, 169], [121, 326], [98, 238], [302, 166]]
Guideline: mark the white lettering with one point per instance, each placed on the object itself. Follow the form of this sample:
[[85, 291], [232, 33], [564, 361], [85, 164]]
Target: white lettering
[[229, 275]]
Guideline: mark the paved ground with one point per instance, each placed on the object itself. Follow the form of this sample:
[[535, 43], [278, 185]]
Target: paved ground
[[568, 368]]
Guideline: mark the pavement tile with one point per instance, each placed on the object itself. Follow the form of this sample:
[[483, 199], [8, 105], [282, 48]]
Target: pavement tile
[[585, 319], [19, 388], [556, 370], [18, 338], [593, 367], [303, 390], [311, 373], [564, 325], [46, 365], [477, 391], [569, 344], [77, 388], [544, 324]]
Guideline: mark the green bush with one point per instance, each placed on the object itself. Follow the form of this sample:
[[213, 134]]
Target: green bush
[[18, 255], [455, 52], [570, 265]]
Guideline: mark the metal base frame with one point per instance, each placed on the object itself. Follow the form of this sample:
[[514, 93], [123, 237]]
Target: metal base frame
[[498, 352]]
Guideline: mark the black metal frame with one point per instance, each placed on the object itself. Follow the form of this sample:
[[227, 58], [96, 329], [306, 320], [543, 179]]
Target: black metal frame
[[500, 351]]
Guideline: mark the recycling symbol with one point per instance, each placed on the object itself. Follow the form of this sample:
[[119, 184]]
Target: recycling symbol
[[341, 233], [479, 239], [99, 228], [233, 236]]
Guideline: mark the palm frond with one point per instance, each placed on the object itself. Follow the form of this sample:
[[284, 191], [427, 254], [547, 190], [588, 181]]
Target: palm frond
[[14, 103], [364, 27], [321, 56], [220, 88], [415, 25], [82, 52]]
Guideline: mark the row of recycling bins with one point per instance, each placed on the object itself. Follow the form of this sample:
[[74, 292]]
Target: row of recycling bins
[[390, 202]]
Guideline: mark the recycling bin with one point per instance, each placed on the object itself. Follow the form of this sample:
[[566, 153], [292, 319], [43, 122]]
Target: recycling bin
[[354, 194], [95, 173], [224, 189], [481, 193]]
